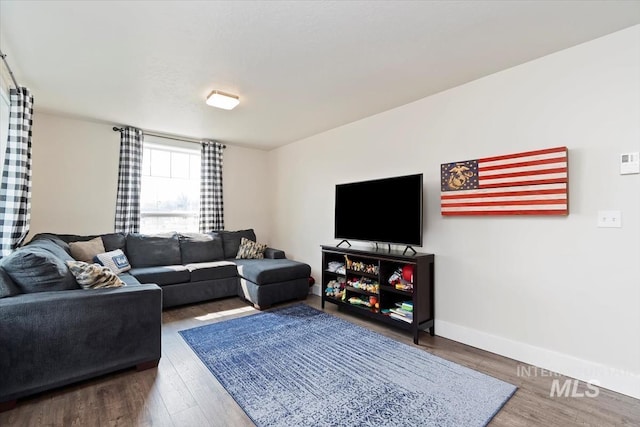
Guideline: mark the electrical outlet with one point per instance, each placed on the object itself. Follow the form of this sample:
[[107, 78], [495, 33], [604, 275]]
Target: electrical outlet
[[609, 219]]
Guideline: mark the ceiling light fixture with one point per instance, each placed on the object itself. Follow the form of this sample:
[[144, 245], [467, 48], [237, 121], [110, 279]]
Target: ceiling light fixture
[[222, 100]]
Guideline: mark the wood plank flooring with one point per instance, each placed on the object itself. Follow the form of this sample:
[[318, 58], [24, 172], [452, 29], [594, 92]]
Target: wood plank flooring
[[182, 392]]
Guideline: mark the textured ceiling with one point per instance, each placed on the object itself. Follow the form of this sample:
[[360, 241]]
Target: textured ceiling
[[299, 68]]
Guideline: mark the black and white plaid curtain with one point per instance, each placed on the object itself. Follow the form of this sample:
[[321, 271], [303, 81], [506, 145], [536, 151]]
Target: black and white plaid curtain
[[15, 189], [211, 205], [129, 178]]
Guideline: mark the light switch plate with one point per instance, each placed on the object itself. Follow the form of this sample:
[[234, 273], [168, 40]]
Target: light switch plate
[[609, 219]]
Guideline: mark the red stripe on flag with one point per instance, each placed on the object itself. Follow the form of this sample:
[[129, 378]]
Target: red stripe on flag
[[508, 203], [522, 164], [453, 195], [524, 154], [507, 212], [518, 174], [510, 184]]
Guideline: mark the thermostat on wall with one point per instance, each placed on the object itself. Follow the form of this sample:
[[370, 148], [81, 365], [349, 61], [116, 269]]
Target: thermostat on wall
[[629, 163]]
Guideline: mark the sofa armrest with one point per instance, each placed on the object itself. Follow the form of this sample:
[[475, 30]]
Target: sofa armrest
[[50, 339], [272, 253]]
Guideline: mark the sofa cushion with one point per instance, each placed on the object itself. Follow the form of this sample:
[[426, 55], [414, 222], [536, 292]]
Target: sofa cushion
[[197, 247], [7, 287], [231, 240], [250, 250], [53, 238], [52, 247], [212, 270], [85, 251], [274, 253], [128, 279], [265, 271], [35, 269], [94, 276], [153, 250], [162, 275], [113, 241]]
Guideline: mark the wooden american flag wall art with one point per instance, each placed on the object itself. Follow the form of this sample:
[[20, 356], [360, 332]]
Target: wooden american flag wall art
[[527, 183]]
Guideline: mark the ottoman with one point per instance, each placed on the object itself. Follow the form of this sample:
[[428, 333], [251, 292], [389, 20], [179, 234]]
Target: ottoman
[[265, 282]]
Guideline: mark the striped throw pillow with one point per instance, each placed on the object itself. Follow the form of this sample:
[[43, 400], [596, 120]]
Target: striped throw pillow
[[250, 250], [94, 276]]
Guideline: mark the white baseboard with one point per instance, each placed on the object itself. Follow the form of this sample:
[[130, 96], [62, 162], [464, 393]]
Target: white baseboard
[[614, 379], [315, 289]]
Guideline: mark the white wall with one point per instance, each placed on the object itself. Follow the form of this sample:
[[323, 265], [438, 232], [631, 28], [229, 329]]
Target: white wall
[[75, 173], [556, 292], [247, 186]]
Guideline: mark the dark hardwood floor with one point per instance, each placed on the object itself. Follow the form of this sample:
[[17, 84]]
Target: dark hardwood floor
[[182, 392]]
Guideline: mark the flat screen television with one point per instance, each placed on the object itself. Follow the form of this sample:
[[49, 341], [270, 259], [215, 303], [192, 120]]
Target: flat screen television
[[387, 210]]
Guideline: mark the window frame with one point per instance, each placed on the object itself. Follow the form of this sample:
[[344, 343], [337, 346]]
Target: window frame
[[160, 144]]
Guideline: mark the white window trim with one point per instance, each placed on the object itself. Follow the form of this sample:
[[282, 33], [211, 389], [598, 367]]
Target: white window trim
[[160, 144], [169, 214], [170, 145]]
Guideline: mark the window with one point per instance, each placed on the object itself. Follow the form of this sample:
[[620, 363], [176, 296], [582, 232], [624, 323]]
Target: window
[[170, 189]]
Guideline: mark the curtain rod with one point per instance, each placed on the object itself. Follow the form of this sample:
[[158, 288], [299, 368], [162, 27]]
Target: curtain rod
[[159, 135], [6, 64]]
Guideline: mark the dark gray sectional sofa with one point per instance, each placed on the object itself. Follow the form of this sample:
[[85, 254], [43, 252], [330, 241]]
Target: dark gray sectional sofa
[[195, 267], [54, 333]]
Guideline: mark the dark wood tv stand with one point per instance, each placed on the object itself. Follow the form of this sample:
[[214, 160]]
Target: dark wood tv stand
[[378, 266]]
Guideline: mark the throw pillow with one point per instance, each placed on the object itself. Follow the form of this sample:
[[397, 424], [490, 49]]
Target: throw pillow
[[250, 250], [115, 261], [85, 251], [94, 276]]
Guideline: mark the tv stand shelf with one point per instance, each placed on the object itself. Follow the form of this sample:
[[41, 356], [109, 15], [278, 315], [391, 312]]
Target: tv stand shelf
[[377, 288]]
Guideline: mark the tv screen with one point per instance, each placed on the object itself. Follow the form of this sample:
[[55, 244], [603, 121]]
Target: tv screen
[[385, 210]]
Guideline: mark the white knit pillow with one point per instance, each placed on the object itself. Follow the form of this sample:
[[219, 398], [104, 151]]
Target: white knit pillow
[[116, 261]]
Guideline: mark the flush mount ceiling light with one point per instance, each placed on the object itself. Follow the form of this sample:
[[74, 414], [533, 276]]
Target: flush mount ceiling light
[[222, 100]]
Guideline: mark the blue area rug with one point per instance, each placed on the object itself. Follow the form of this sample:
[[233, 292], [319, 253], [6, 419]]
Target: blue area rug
[[298, 366]]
